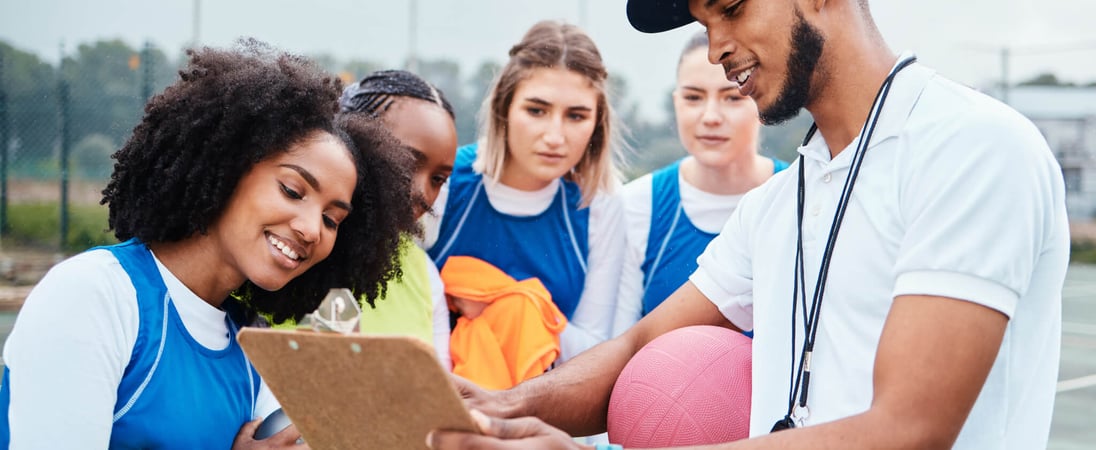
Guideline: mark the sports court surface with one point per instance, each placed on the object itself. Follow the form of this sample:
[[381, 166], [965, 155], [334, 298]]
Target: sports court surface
[[1074, 424]]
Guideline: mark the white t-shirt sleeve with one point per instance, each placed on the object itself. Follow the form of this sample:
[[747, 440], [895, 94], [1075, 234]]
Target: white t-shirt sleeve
[[265, 403], [441, 315], [592, 322], [636, 200], [948, 248], [67, 353], [431, 221], [724, 271]]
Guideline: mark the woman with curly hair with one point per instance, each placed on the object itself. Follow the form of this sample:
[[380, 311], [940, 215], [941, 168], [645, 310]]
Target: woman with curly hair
[[417, 114], [239, 192]]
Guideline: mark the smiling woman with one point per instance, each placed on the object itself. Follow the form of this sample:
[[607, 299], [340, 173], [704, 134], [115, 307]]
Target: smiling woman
[[239, 193]]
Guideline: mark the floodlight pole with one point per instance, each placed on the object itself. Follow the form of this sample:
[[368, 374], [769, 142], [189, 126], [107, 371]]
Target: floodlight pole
[[412, 35], [582, 15], [196, 24], [1004, 74]]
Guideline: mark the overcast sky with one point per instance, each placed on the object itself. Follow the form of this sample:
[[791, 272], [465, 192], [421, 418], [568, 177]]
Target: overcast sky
[[959, 38]]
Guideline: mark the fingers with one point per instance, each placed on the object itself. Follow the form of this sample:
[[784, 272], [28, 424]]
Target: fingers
[[464, 387], [473, 396], [288, 436], [455, 440], [246, 433], [451, 440], [521, 427], [463, 384], [483, 423], [519, 433], [249, 428]]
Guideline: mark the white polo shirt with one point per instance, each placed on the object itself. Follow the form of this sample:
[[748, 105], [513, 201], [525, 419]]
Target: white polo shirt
[[958, 196]]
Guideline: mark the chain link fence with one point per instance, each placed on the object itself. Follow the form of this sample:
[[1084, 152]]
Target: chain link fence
[[59, 124]]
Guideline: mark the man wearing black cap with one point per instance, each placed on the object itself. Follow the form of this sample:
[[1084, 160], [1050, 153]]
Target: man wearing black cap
[[928, 220]]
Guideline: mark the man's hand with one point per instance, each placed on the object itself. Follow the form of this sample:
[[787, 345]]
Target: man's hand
[[285, 439], [476, 398], [520, 433]]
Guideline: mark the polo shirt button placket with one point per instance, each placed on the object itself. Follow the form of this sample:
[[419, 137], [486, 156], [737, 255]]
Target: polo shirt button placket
[[826, 178], [812, 223]]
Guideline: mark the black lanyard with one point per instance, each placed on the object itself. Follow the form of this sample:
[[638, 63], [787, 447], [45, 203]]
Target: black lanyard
[[802, 377]]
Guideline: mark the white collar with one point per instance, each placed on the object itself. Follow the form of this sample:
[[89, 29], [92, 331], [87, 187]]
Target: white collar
[[900, 101], [517, 202]]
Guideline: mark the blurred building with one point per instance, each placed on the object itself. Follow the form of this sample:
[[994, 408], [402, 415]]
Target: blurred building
[[1066, 116]]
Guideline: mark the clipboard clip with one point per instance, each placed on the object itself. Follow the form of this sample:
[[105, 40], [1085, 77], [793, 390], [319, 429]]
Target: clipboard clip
[[337, 313]]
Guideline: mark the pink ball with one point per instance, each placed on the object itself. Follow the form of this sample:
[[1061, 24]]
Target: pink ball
[[687, 387]]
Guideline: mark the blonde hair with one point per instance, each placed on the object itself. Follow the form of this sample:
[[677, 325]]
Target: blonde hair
[[550, 44]]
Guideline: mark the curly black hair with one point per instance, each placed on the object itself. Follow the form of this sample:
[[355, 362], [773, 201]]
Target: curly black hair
[[229, 110], [367, 246]]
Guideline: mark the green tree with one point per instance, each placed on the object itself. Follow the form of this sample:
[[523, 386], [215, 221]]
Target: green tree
[[1044, 79], [107, 79], [358, 69], [325, 61], [30, 88], [91, 156], [467, 106], [651, 143], [443, 73]]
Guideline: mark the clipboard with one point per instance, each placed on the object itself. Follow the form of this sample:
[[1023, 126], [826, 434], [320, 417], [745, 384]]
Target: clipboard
[[357, 391]]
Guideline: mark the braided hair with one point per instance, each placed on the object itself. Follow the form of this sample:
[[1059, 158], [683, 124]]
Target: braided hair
[[375, 93]]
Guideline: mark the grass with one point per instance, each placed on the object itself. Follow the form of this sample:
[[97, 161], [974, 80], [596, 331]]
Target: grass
[[1083, 252], [39, 225]]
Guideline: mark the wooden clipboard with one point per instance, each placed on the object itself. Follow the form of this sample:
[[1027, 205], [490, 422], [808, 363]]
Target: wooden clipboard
[[357, 391]]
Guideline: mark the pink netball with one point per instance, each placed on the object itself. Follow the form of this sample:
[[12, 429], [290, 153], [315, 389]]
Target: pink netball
[[687, 387]]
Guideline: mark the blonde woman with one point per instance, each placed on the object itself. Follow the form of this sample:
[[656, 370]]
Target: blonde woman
[[534, 196], [674, 212]]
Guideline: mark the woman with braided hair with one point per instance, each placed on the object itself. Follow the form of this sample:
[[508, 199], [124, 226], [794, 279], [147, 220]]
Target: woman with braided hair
[[229, 196], [417, 114]]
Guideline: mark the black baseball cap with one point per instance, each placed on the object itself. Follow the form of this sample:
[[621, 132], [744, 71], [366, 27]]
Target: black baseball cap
[[656, 16]]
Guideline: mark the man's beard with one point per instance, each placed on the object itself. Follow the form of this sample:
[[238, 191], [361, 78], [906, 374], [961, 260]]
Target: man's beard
[[806, 43]]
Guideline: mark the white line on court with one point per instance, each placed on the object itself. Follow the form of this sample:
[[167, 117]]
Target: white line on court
[[1082, 294], [1076, 383]]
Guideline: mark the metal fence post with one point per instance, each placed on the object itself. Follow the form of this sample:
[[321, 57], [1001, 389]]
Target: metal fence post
[[146, 73], [66, 147], [4, 143]]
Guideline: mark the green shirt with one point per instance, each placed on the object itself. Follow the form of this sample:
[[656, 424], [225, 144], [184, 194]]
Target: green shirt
[[407, 307]]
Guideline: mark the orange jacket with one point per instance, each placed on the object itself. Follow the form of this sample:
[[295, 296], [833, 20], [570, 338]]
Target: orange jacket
[[515, 338]]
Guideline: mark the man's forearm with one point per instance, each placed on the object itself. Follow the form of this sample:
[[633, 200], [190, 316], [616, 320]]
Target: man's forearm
[[575, 396], [872, 429]]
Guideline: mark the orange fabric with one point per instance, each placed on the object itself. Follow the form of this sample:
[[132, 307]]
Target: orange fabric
[[515, 338]]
